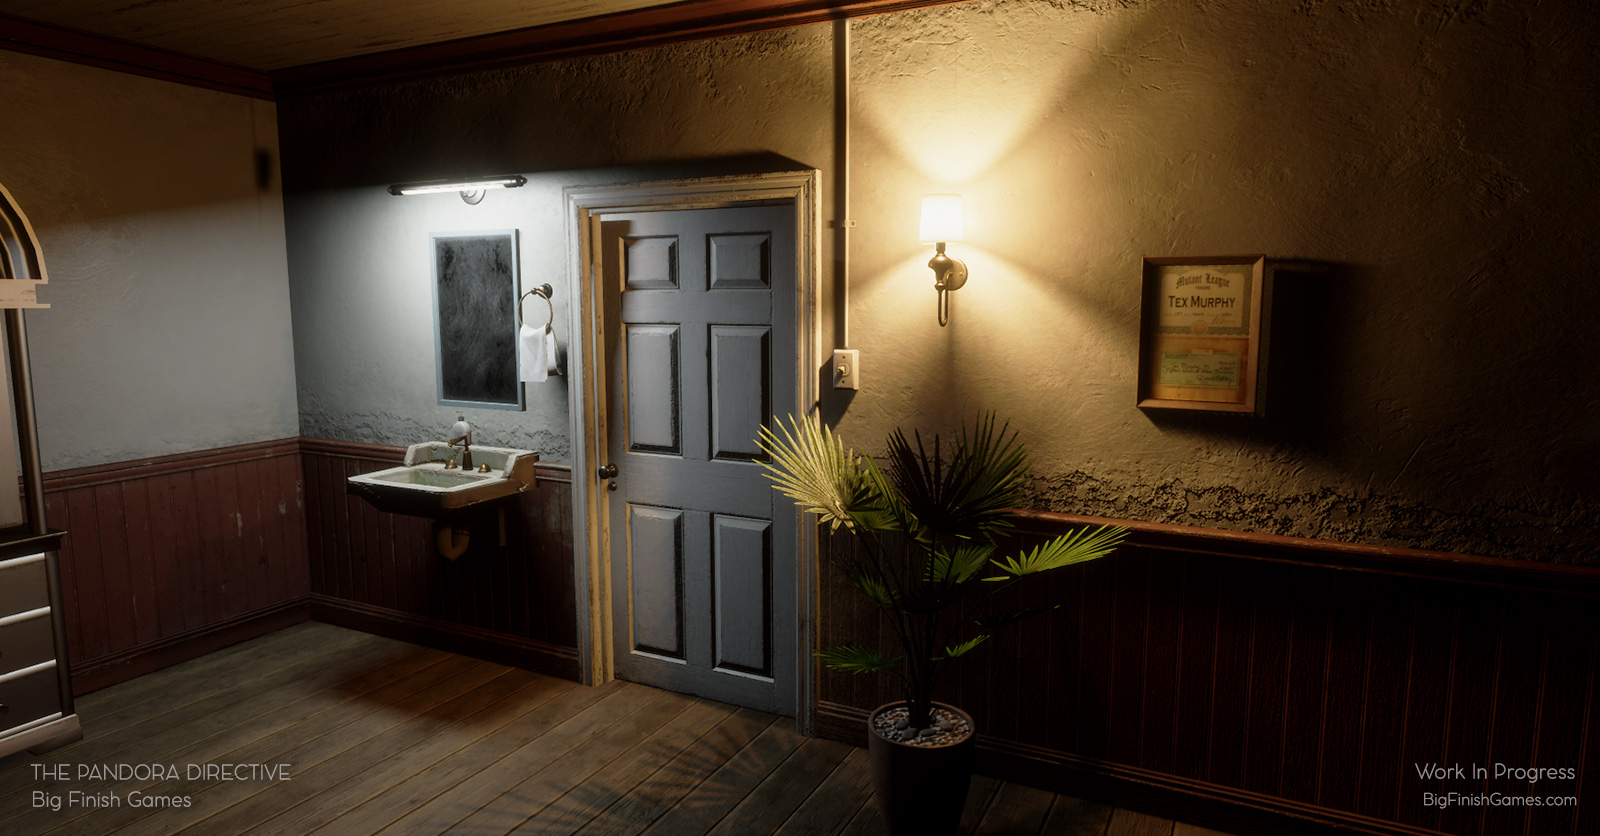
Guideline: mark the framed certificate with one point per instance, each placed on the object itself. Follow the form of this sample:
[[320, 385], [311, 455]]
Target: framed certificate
[[1200, 332]]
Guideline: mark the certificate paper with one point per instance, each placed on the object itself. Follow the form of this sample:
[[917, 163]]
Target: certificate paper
[[1204, 299], [1200, 368]]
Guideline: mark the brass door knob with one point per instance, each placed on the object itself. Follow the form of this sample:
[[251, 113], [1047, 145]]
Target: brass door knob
[[608, 471]]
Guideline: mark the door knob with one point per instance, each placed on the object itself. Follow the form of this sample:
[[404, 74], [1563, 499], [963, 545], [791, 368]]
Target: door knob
[[608, 472]]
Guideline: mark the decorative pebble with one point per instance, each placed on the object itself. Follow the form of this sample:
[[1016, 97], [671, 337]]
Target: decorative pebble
[[944, 728]]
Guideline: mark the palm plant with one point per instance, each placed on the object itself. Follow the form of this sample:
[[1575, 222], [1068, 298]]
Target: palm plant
[[928, 522]]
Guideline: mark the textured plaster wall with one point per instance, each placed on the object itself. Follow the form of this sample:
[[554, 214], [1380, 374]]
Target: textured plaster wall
[[359, 257], [160, 218], [1419, 173]]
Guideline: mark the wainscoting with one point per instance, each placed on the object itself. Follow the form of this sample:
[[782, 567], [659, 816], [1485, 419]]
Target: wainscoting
[[380, 572], [170, 558], [1250, 683], [1263, 684]]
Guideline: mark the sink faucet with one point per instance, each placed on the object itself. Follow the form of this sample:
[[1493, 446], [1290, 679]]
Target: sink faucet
[[463, 437]]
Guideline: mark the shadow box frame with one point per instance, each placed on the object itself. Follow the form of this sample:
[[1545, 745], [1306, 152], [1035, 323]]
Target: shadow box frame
[[1178, 339]]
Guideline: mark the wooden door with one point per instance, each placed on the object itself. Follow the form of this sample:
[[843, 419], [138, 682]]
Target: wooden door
[[701, 329]]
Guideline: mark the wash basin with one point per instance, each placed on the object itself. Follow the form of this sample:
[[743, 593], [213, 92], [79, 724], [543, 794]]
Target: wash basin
[[424, 487], [429, 478]]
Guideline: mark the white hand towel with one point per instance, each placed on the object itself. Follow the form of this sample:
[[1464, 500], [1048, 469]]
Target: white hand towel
[[532, 344], [550, 349]]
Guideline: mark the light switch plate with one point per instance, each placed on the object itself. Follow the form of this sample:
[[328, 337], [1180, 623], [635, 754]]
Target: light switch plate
[[846, 368]]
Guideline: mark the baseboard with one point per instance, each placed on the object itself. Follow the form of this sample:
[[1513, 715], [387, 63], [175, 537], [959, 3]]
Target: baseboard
[[1170, 796], [447, 635], [102, 671]]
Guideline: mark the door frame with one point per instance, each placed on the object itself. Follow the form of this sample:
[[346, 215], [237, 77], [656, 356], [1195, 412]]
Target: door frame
[[586, 366]]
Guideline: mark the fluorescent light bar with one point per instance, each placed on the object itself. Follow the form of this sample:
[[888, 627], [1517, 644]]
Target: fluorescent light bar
[[509, 181]]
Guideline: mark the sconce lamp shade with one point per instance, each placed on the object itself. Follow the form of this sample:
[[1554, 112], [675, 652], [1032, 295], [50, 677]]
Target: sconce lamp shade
[[941, 218]]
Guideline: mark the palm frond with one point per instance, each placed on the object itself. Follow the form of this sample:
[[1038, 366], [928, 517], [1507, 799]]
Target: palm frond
[[856, 659], [963, 648], [967, 492], [868, 584], [960, 567], [1077, 547], [810, 465]]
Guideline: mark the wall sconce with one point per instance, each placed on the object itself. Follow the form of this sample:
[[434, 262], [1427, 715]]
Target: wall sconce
[[941, 223], [471, 190]]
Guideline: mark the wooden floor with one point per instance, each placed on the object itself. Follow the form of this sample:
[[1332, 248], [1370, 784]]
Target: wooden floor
[[382, 737]]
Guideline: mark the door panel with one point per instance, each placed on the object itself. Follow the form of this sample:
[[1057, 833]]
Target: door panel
[[706, 303], [740, 261], [653, 388], [742, 561], [740, 389], [655, 539], [652, 263]]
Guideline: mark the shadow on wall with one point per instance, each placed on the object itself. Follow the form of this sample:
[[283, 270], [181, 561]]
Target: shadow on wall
[[655, 169], [1296, 393]]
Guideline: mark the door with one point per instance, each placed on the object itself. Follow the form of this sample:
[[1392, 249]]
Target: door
[[701, 341]]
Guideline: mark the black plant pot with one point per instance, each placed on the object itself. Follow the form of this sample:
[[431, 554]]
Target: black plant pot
[[920, 789]]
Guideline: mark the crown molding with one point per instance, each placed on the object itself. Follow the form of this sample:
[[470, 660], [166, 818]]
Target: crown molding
[[79, 47], [656, 26], [695, 20]]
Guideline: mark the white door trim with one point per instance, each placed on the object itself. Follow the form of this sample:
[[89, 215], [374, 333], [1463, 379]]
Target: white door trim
[[585, 365]]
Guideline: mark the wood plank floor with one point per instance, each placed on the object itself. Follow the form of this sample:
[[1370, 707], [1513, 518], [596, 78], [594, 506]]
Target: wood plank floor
[[381, 737]]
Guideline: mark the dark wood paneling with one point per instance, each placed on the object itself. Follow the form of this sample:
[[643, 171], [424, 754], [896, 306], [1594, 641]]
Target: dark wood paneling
[[448, 635], [386, 563], [138, 660], [1269, 685], [171, 557]]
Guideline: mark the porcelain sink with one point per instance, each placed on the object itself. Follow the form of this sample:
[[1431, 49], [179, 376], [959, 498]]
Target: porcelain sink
[[423, 487]]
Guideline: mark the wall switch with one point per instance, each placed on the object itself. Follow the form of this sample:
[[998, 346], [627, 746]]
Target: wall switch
[[846, 368]]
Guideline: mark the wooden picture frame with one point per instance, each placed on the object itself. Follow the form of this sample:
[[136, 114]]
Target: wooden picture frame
[[476, 285], [1200, 332]]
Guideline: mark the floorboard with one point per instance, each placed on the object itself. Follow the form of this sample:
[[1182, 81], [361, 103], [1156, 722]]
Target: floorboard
[[1016, 809], [383, 738], [671, 783], [829, 809]]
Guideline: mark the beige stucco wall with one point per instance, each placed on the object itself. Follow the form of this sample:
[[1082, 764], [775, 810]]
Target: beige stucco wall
[[1420, 172], [169, 325]]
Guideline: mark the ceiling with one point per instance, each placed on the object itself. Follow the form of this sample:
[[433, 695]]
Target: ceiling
[[276, 34]]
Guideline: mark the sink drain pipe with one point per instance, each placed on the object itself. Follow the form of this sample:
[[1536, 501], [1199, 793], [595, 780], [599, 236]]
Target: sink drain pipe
[[451, 541]]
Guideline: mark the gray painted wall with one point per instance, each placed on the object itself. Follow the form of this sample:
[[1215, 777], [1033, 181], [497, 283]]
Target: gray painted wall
[[1420, 176], [359, 262], [169, 325]]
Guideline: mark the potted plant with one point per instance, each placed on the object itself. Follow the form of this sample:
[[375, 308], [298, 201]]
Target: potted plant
[[928, 522]]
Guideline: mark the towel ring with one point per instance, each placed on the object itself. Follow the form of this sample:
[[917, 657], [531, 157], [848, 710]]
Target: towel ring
[[543, 292]]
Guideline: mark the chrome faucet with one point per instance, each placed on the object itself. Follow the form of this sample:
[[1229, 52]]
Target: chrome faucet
[[465, 440]]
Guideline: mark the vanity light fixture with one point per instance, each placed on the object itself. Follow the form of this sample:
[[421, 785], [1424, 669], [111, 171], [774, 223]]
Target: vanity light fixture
[[941, 224], [471, 190]]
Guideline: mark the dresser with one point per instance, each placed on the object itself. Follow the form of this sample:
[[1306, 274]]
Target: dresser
[[35, 691], [35, 684]]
